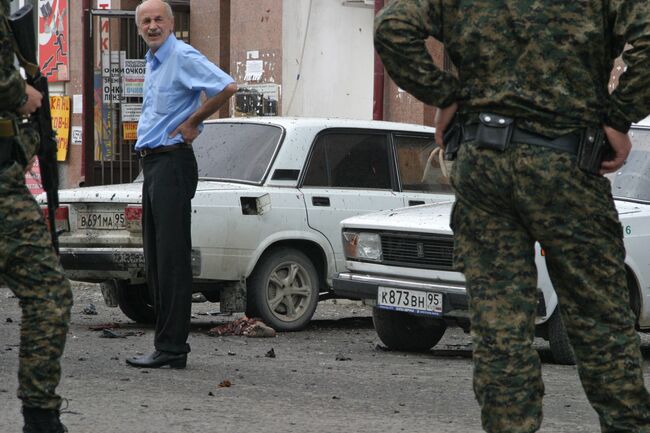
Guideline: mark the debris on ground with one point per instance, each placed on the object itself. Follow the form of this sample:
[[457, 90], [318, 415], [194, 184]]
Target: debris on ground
[[248, 327], [103, 326], [225, 384], [341, 357], [270, 353], [198, 297], [107, 333], [10, 320], [89, 310], [214, 313]]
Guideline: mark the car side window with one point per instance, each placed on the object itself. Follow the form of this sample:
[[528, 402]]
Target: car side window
[[418, 170], [349, 160]]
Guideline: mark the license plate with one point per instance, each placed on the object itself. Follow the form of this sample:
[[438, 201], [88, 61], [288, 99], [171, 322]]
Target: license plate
[[410, 301], [101, 220]]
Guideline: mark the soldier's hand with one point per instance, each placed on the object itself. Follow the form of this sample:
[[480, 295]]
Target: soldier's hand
[[34, 100], [444, 117], [621, 145]]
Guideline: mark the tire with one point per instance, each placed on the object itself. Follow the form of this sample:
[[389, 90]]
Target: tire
[[407, 332], [135, 302], [283, 290], [558, 339]]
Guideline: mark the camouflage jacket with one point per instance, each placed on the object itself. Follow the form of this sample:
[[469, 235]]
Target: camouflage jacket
[[546, 62], [12, 86]]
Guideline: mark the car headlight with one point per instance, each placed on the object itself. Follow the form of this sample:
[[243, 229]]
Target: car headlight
[[362, 245]]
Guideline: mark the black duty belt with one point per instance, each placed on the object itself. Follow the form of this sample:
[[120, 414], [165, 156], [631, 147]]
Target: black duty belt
[[162, 149], [566, 143]]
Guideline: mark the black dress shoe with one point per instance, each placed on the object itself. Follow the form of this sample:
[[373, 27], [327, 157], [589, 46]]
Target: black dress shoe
[[159, 359]]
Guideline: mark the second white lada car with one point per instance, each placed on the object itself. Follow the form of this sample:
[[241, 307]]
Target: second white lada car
[[400, 261]]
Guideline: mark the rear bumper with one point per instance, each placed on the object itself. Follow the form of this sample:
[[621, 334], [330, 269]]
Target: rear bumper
[[362, 286], [100, 264]]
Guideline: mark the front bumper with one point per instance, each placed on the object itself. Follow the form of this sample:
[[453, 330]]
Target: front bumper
[[455, 298], [363, 286]]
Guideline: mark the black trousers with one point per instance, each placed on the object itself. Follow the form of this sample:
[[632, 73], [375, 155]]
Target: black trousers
[[170, 181]]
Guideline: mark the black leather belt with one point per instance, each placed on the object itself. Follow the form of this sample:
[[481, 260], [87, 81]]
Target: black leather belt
[[163, 149], [566, 143]]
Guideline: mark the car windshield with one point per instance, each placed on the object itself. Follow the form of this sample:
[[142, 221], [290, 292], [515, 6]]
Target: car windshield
[[240, 152], [632, 181]]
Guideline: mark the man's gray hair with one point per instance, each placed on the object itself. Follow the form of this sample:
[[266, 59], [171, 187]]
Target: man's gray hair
[[168, 9]]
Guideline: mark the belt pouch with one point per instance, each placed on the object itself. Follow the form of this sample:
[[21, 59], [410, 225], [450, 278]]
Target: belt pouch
[[592, 150], [6, 150], [494, 131], [451, 140]]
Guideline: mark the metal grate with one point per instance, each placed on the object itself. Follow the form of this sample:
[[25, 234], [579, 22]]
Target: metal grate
[[417, 250]]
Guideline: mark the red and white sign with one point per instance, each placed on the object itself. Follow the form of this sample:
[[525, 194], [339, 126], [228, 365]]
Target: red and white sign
[[53, 41], [33, 179]]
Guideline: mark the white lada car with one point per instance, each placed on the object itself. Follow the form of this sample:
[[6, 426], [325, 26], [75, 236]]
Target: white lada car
[[265, 218], [401, 262]]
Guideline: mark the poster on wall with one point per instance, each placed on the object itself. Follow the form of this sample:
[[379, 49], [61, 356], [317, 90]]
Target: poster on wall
[[133, 83], [53, 39], [60, 108], [104, 123]]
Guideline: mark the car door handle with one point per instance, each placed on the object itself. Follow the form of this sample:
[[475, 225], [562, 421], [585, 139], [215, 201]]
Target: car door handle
[[320, 201], [415, 202]]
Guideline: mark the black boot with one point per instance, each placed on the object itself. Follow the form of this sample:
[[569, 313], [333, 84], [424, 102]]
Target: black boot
[[42, 421]]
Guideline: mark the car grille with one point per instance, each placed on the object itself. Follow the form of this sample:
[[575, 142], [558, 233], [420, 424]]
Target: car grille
[[416, 250]]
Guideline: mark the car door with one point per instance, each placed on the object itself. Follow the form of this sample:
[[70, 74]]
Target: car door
[[423, 177], [349, 172]]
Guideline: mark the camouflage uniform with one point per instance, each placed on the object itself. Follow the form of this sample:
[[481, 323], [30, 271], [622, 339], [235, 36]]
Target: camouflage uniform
[[28, 264], [547, 64]]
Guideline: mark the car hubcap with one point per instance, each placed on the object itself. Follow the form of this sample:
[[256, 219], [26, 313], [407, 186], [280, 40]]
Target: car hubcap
[[289, 291]]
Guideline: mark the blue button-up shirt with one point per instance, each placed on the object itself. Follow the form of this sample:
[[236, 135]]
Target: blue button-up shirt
[[176, 75]]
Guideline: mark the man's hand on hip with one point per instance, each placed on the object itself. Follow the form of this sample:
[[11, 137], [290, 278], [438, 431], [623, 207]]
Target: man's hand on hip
[[444, 116], [621, 145], [188, 131]]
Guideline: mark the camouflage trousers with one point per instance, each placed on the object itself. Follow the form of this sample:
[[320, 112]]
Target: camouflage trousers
[[30, 268], [505, 202]]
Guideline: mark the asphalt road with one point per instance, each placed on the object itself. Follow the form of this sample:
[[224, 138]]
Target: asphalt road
[[333, 377]]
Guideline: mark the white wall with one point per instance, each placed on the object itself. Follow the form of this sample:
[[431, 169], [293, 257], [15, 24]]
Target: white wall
[[336, 77]]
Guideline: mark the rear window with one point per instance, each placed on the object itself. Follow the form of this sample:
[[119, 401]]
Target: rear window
[[236, 151]]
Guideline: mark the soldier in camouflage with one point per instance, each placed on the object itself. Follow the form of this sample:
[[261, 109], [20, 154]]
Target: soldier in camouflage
[[545, 66], [28, 263]]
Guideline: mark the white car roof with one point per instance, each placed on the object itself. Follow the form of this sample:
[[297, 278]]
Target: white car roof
[[329, 122], [644, 122]]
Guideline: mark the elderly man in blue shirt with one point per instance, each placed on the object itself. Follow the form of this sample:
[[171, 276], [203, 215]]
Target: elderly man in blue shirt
[[172, 116]]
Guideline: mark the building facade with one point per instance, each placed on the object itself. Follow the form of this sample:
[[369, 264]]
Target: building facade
[[289, 57]]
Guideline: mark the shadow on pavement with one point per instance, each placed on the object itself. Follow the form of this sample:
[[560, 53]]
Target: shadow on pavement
[[344, 323]]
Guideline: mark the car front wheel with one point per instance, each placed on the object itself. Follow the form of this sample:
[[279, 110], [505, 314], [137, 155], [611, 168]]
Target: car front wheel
[[283, 290], [407, 332], [135, 302]]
